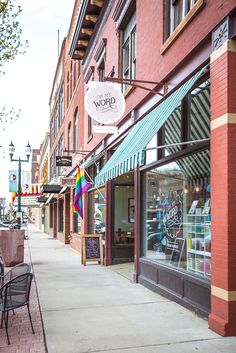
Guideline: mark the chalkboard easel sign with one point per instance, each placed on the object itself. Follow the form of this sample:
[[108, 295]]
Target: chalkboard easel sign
[[177, 251], [92, 248]]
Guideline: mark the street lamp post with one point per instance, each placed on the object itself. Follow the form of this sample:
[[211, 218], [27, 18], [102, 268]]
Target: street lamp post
[[19, 160]]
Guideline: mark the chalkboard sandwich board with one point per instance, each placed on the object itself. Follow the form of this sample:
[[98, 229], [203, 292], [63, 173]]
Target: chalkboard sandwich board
[[177, 251], [92, 248]]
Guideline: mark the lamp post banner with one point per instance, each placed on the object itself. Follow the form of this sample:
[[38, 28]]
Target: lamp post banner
[[25, 181], [104, 102], [12, 180]]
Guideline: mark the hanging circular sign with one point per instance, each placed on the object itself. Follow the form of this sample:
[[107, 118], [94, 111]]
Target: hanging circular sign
[[104, 102]]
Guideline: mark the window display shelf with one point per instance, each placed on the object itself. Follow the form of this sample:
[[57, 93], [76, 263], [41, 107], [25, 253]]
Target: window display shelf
[[194, 232], [199, 252], [199, 244]]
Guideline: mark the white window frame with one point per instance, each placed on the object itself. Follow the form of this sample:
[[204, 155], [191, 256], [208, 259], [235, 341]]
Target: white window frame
[[128, 35], [185, 10], [76, 131]]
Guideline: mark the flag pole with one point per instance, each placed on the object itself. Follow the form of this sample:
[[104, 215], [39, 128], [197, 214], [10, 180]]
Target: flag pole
[[94, 184]]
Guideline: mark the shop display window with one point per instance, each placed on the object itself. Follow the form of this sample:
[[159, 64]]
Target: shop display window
[[76, 223], [61, 216], [97, 212], [124, 214], [177, 218]]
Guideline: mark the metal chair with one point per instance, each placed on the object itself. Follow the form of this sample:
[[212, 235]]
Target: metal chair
[[15, 271], [13, 295], [1, 269]]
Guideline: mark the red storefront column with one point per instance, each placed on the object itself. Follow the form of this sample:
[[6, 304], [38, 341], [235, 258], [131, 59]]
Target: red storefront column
[[108, 234], [137, 193], [223, 189], [67, 218]]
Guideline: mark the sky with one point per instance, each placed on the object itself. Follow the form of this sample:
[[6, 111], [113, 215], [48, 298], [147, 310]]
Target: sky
[[27, 83]]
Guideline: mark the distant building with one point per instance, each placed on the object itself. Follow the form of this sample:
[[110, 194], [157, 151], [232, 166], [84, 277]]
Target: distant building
[[35, 166]]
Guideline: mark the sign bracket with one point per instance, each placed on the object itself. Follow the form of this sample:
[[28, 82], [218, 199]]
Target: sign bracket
[[136, 83]]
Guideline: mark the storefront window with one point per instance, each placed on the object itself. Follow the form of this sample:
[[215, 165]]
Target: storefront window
[[61, 216], [177, 221], [124, 214], [51, 216], [97, 211], [77, 223]]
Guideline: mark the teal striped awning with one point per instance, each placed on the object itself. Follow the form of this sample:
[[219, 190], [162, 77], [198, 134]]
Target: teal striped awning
[[131, 151]]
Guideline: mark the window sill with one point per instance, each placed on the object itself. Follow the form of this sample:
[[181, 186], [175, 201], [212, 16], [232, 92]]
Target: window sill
[[128, 91], [187, 19]]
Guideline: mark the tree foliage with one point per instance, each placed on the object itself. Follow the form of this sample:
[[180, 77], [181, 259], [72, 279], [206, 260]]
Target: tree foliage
[[10, 31]]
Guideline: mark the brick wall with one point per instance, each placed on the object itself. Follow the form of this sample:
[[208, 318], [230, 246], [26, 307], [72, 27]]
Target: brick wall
[[223, 186]]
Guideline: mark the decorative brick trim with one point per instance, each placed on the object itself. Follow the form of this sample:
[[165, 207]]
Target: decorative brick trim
[[228, 118], [229, 296], [229, 45]]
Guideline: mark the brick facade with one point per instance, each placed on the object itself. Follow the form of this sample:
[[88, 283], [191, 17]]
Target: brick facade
[[223, 171]]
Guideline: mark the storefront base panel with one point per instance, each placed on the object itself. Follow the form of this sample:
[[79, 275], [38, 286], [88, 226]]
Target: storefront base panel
[[51, 232], [62, 238], [189, 291], [75, 242]]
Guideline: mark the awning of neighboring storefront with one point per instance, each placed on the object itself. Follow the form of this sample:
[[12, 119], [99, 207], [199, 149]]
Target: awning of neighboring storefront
[[51, 199], [64, 190], [51, 188], [131, 151], [42, 199]]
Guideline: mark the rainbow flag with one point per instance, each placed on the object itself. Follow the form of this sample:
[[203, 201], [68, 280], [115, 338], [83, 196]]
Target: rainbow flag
[[81, 187]]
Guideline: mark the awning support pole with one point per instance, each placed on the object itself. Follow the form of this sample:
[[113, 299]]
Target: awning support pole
[[94, 184], [177, 144]]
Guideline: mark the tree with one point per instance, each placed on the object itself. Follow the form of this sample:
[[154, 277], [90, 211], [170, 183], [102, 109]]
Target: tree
[[10, 32], [10, 47]]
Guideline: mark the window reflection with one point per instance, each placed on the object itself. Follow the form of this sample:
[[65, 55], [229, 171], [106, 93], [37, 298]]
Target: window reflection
[[97, 212], [177, 217]]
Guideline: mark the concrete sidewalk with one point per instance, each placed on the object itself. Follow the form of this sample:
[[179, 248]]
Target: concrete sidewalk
[[94, 309]]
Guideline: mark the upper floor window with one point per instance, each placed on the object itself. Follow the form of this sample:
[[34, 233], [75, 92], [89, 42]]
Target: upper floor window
[[128, 55], [89, 77], [71, 69], [100, 58], [101, 71], [60, 152], [178, 9], [51, 166], [56, 120], [90, 126], [75, 77], [54, 162], [61, 104], [68, 89], [78, 71], [60, 146], [76, 132], [51, 132], [69, 137]]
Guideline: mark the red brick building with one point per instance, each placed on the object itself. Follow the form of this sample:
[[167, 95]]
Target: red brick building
[[163, 191], [66, 132]]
